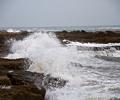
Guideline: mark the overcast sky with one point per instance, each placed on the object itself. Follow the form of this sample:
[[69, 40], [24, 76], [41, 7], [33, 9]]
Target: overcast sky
[[40, 13]]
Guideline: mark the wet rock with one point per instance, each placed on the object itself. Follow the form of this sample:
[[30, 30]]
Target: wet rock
[[24, 77], [4, 49], [4, 81], [22, 92], [14, 64], [39, 79], [92, 37], [83, 31], [53, 82]]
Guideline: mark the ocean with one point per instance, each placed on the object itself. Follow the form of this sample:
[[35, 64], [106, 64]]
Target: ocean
[[91, 75], [67, 28]]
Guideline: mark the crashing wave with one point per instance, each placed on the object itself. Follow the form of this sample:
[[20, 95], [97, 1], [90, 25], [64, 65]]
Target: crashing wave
[[89, 77]]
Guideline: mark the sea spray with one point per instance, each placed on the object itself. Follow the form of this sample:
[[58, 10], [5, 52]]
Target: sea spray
[[46, 52], [89, 78]]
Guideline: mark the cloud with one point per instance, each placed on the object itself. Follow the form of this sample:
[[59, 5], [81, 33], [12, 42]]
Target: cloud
[[59, 12], [5, 4]]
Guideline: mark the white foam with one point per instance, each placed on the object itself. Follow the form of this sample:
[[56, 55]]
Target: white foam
[[13, 30], [91, 44], [45, 51]]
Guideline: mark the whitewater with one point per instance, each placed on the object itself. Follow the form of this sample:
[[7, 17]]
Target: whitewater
[[89, 78]]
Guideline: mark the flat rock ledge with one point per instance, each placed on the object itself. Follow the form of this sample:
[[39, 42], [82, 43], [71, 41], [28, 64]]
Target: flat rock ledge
[[22, 92], [89, 37]]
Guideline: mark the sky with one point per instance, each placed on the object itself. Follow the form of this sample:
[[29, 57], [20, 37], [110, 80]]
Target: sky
[[48, 13]]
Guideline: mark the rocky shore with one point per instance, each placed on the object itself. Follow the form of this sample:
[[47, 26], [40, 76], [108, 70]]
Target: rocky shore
[[8, 90], [91, 37], [16, 83], [5, 38]]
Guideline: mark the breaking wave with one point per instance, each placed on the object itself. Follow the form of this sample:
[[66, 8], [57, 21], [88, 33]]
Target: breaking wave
[[90, 76]]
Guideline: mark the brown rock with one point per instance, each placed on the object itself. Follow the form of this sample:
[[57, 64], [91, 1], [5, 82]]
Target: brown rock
[[14, 64], [92, 37], [4, 81], [22, 92], [4, 48]]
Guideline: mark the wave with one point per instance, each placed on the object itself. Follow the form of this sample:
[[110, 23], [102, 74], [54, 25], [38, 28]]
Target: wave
[[90, 78]]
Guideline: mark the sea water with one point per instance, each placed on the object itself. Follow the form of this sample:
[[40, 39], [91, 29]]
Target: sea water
[[89, 78]]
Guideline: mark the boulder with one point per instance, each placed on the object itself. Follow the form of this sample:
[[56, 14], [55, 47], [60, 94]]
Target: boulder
[[39, 79], [14, 64]]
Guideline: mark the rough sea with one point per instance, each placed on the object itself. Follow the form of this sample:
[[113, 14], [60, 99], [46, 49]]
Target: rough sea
[[91, 75]]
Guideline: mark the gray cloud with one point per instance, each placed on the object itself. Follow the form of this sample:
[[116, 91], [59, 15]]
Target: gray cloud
[[4, 6], [59, 12]]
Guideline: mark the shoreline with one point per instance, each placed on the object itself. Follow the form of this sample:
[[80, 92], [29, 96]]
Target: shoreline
[[90, 37], [17, 83], [8, 89]]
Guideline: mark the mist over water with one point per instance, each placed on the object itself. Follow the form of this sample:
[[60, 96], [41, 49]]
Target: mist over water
[[89, 78]]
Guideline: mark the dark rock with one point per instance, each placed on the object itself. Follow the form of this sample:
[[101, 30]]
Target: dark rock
[[39, 79], [64, 31], [4, 49], [53, 82], [109, 32], [83, 31], [14, 64], [92, 37], [24, 77], [22, 92], [4, 81]]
